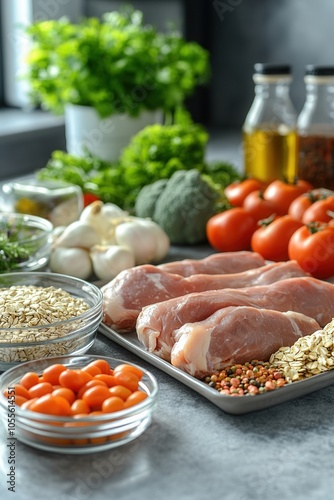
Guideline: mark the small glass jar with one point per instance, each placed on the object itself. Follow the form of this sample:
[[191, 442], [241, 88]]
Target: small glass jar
[[269, 131], [315, 128]]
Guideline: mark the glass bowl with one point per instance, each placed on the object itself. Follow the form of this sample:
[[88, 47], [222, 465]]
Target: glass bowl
[[59, 202], [25, 242], [74, 335], [60, 434]]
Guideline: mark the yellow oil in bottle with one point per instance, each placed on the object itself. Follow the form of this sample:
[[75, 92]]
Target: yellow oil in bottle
[[270, 155]]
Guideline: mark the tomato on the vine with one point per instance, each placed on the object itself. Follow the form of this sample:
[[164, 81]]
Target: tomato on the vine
[[231, 231], [257, 206], [312, 246], [282, 194], [271, 239], [320, 211], [238, 190]]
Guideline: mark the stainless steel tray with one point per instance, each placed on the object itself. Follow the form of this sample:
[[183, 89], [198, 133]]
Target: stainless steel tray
[[234, 405]]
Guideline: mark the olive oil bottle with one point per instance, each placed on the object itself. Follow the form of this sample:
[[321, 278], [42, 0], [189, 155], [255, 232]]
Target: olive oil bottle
[[270, 155], [269, 131]]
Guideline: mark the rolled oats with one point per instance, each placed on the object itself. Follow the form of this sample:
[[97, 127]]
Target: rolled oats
[[308, 356], [22, 307]]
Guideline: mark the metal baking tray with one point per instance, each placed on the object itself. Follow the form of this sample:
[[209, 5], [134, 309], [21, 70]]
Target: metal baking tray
[[233, 405]]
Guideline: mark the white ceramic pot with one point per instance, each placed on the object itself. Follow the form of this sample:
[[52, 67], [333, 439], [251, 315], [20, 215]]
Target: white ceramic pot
[[104, 138]]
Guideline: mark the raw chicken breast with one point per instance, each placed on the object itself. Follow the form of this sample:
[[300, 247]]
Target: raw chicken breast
[[236, 335], [220, 263], [157, 323], [126, 295]]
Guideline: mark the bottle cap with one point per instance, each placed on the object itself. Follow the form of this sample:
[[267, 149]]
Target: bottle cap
[[315, 70], [272, 69]]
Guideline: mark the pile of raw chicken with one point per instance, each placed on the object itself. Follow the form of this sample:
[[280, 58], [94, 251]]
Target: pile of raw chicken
[[204, 315]]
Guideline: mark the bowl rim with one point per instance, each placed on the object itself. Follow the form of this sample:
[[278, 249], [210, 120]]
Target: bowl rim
[[96, 419], [44, 224], [95, 311]]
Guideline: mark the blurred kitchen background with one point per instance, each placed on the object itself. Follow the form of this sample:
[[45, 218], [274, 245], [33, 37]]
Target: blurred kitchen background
[[237, 33]]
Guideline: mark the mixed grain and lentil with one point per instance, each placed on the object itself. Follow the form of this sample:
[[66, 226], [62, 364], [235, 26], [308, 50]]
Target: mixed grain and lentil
[[26, 309], [308, 356]]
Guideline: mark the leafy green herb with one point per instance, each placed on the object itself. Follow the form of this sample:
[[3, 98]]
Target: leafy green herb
[[12, 253], [117, 65], [157, 152]]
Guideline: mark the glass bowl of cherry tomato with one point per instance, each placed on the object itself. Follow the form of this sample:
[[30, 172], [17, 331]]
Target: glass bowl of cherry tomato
[[46, 315], [77, 404]]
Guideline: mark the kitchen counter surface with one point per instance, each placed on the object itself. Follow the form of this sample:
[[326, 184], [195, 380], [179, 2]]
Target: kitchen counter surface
[[192, 450]]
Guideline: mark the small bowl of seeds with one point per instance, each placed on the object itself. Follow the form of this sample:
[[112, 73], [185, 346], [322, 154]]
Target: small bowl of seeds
[[25, 242], [45, 315]]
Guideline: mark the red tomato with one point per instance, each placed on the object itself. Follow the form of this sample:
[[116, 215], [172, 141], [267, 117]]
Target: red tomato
[[271, 240], [302, 203], [237, 191], [231, 231], [320, 211], [88, 198], [257, 206], [312, 246], [282, 194]]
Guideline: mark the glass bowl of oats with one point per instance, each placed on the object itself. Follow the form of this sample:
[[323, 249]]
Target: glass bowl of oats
[[45, 315]]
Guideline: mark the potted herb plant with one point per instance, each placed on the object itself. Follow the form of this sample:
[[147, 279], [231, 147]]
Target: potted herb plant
[[111, 77]]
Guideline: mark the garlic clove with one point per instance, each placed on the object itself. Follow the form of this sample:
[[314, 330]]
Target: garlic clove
[[108, 261], [71, 261], [161, 238], [138, 238], [103, 217], [78, 234]]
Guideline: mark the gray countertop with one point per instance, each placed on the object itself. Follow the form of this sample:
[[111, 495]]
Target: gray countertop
[[192, 450]]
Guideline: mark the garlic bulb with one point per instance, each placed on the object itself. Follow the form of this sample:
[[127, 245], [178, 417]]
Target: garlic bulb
[[161, 238], [138, 238], [103, 217], [78, 234], [71, 261], [110, 260]]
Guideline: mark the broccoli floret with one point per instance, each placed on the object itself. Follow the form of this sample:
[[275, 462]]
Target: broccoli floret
[[183, 208], [147, 198]]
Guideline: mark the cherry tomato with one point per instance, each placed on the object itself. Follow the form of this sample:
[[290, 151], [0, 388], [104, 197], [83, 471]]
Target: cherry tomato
[[135, 398], [29, 379], [127, 379], [271, 239], [109, 380], [92, 369], [120, 391], [94, 396], [19, 390], [73, 379], [282, 194], [52, 372], [38, 390], [231, 231], [27, 404], [20, 400], [102, 364], [237, 191], [91, 383], [51, 405], [65, 393], [257, 206], [320, 211], [114, 403], [312, 246], [129, 368], [79, 406]]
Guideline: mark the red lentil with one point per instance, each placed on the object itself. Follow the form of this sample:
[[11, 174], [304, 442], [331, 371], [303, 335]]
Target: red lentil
[[255, 377]]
